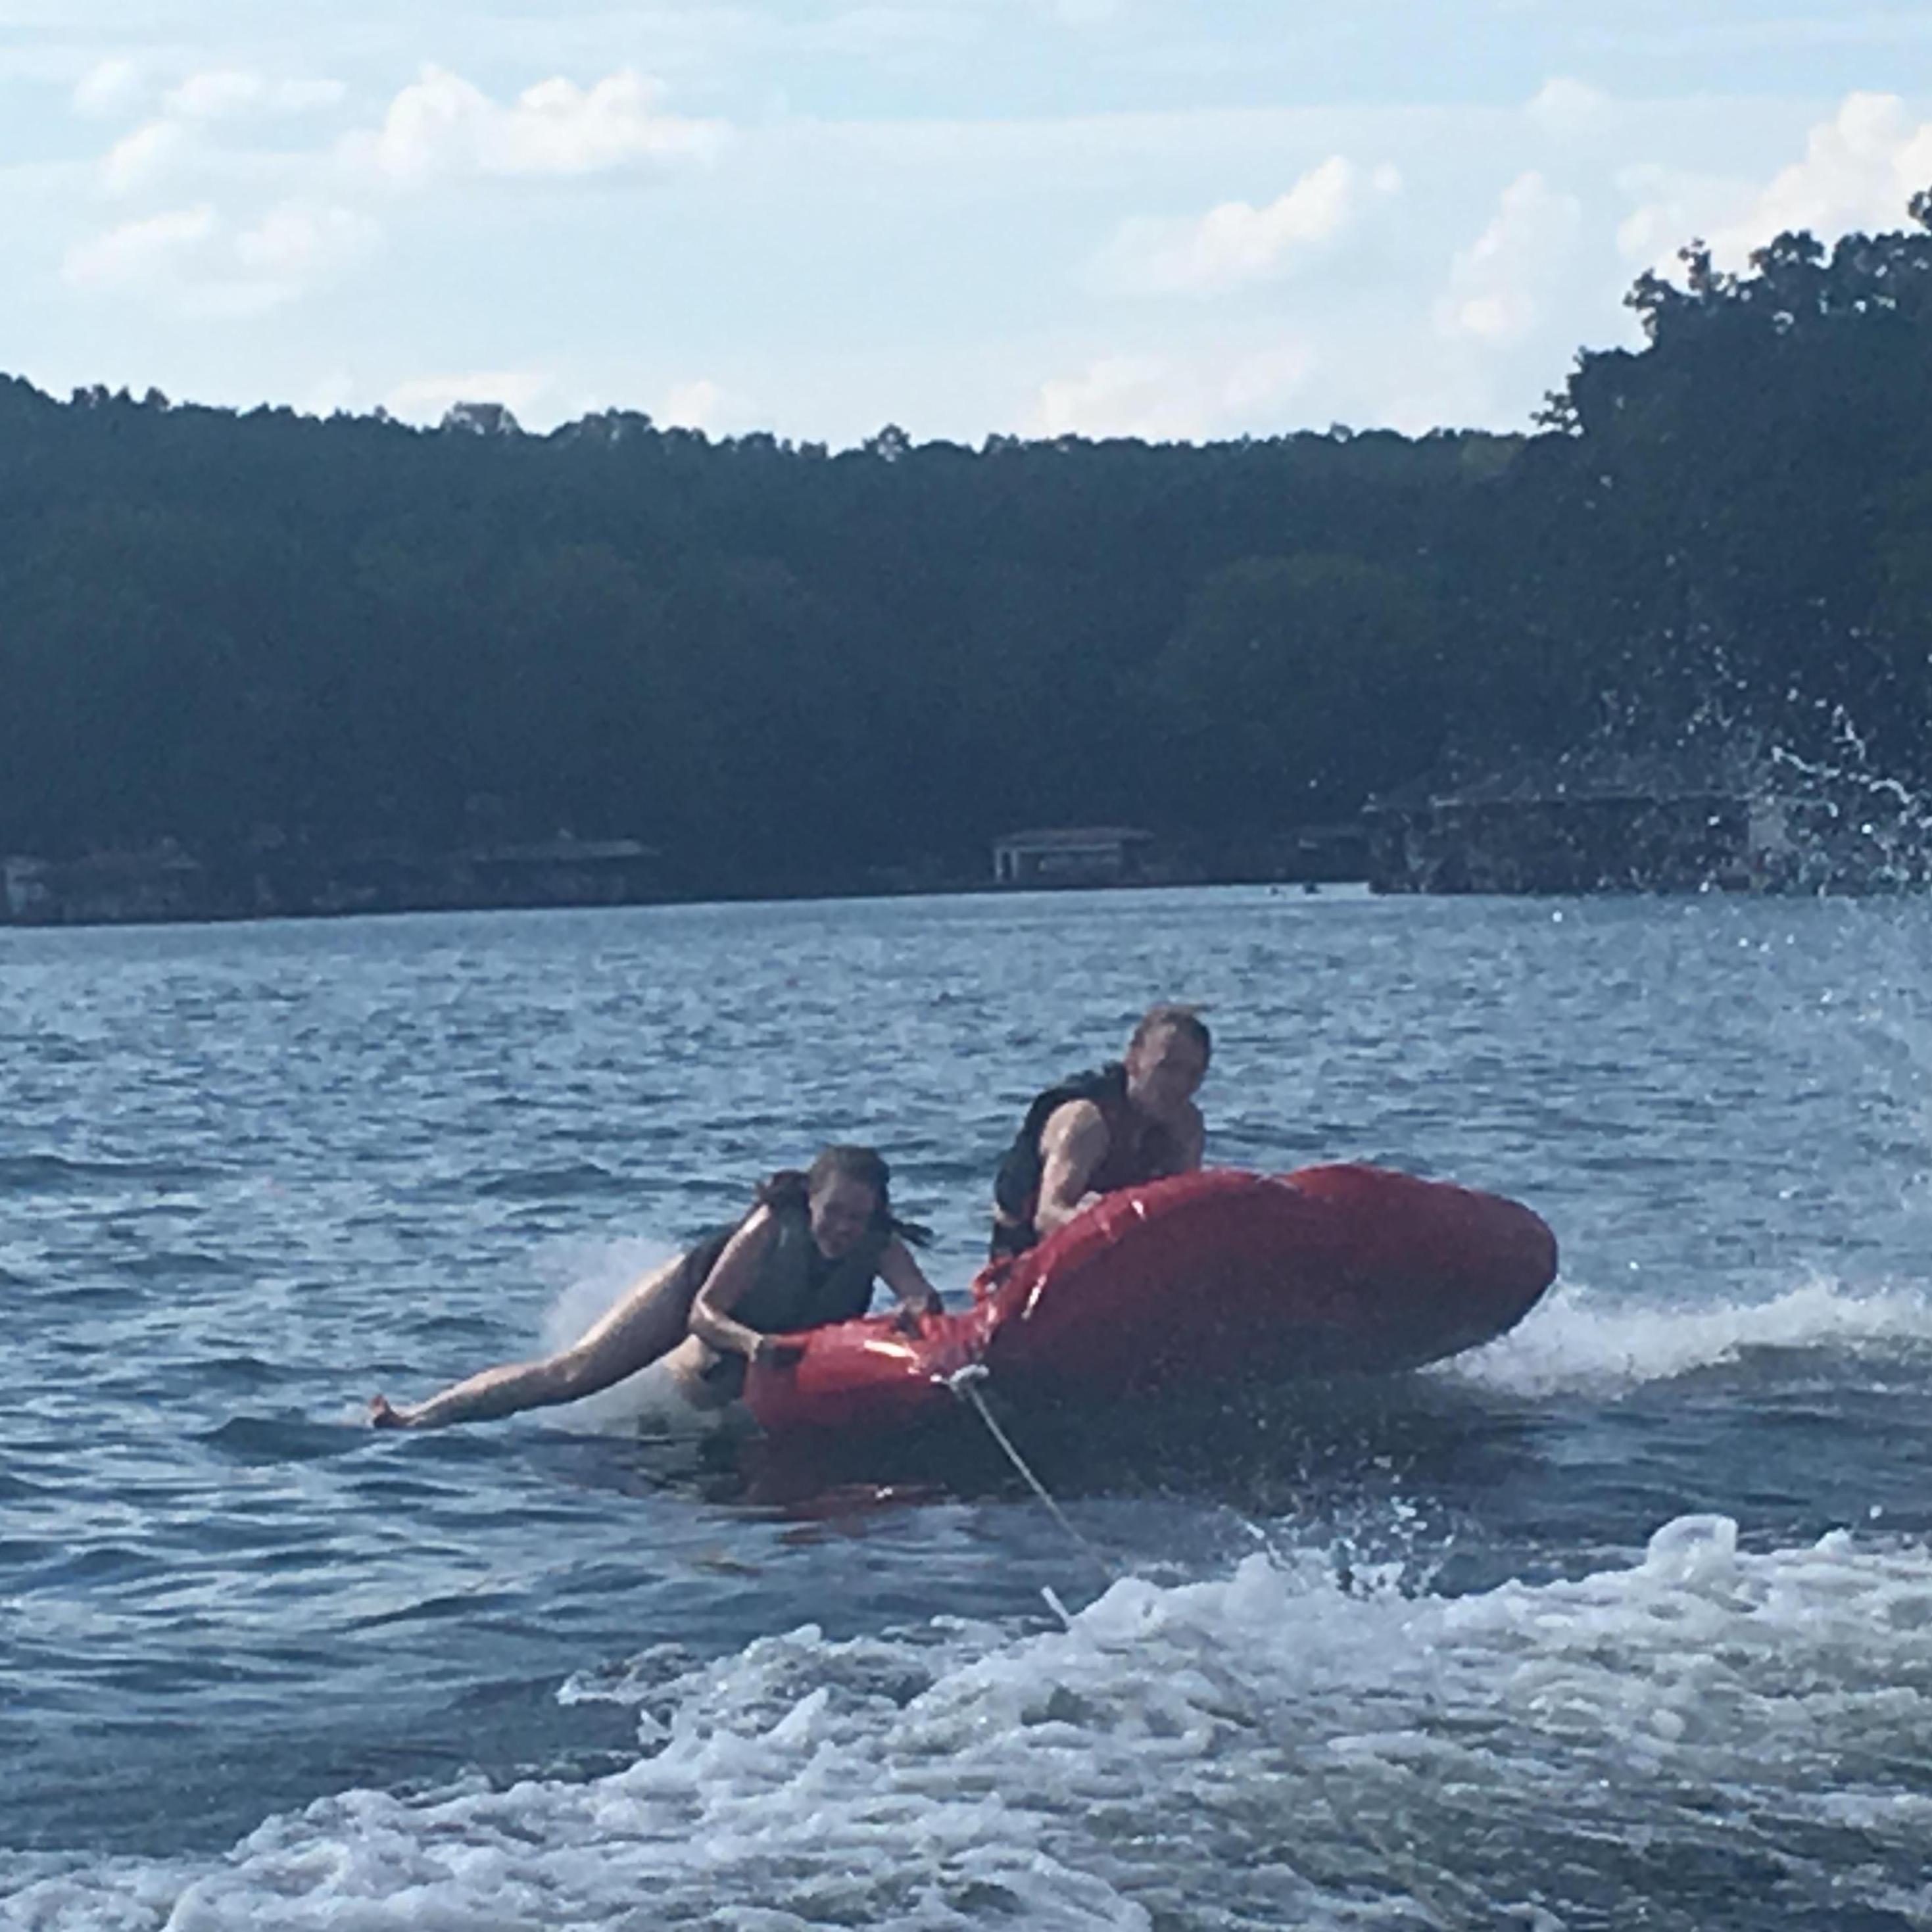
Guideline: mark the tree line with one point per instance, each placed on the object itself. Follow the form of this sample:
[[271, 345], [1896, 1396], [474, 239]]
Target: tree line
[[787, 666]]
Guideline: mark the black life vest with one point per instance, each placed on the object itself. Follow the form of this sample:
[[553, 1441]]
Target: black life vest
[[1137, 1150], [797, 1285]]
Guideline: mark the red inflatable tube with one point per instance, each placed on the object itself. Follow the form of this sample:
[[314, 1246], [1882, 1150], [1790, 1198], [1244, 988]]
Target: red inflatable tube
[[1208, 1278]]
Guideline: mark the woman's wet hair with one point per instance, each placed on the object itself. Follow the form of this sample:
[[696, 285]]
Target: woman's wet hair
[[864, 1165], [1186, 1021]]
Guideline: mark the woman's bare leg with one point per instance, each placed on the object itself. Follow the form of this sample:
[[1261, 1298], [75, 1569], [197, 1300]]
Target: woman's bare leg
[[648, 1322]]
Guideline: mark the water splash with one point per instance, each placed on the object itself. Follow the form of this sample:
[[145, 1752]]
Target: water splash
[[1719, 1737], [1582, 1342], [592, 1278]]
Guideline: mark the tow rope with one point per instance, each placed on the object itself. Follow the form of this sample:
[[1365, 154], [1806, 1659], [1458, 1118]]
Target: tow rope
[[964, 1383]]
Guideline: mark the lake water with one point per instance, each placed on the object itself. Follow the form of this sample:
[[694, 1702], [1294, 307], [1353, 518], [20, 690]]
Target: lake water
[[1626, 1619]]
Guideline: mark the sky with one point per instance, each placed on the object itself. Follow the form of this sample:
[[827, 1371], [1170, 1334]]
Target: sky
[[1176, 219]]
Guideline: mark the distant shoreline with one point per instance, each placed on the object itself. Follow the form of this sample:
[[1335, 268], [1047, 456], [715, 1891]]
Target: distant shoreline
[[856, 893]]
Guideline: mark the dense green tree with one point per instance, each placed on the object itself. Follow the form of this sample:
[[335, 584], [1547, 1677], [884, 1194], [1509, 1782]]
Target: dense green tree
[[787, 666], [1300, 685]]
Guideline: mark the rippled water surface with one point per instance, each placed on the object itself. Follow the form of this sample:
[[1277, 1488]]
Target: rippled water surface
[[1625, 1619]]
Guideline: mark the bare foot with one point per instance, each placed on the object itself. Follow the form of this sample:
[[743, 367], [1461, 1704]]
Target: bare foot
[[383, 1415]]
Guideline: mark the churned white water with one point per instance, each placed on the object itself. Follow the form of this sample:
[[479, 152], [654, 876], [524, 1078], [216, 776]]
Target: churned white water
[[1262, 1748], [1576, 1341]]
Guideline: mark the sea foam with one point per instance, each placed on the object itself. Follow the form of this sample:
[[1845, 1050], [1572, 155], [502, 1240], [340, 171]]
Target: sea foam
[[1584, 1342], [1263, 1747]]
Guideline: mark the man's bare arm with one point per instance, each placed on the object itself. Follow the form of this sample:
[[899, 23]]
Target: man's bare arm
[[1073, 1145]]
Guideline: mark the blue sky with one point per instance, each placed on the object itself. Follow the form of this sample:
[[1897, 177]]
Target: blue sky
[[1027, 216]]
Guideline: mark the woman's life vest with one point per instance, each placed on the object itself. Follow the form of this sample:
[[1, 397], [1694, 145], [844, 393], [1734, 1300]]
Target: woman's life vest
[[797, 1285], [1138, 1149]]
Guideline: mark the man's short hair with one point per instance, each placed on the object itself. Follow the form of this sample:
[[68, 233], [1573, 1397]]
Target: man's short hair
[[1186, 1021]]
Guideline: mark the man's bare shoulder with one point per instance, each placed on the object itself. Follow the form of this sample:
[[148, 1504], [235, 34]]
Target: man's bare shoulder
[[1073, 1124]]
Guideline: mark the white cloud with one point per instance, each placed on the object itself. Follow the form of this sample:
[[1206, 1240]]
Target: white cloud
[[139, 160], [1860, 169], [192, 261], [1236, 244], [1257, 385], [1672, 206], [327, 394], [212, 96], [1500, 286], [133, 258], [109, 88], [428, 398], [442, 124], [215, 258], [304, 244], [223, 94], [1563, 108], [1119, 395], [1163, 399], [705, 405]]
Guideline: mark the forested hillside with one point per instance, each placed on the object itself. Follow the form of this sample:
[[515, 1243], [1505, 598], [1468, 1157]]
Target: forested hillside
[[784, 666]]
